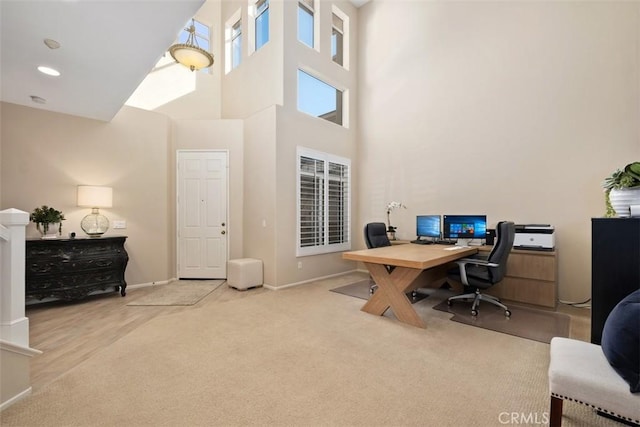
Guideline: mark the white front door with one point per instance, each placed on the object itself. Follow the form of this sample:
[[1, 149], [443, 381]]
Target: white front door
[[202, 214]]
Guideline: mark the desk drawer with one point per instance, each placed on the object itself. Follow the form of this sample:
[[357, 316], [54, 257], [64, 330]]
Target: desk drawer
[[532, 266], [529, 291]]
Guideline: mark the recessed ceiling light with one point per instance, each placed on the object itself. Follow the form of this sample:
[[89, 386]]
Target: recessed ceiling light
[[51, 43], [38, 100], [48, 71]]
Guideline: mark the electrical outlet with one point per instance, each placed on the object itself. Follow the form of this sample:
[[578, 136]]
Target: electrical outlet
[[300, 264], [119, 223]]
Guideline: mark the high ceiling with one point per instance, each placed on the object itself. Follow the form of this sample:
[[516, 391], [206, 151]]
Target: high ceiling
[[107, 47]]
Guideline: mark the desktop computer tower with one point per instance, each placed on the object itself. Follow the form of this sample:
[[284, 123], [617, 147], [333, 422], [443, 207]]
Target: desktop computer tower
[[491, 236]]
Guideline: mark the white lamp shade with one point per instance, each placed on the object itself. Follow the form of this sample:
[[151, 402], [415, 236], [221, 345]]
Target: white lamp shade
[[191, 56], [92, 196]]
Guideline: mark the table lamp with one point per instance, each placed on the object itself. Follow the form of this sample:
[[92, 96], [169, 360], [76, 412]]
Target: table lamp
[[95, 197]]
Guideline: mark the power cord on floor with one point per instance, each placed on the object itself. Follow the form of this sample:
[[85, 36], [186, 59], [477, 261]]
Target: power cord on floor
[[583, 304]]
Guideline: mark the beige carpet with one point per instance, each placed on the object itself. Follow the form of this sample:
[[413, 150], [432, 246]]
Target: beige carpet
[[303, 356], [180, 292]]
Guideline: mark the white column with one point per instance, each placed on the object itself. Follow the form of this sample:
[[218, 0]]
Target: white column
[[14, 326]]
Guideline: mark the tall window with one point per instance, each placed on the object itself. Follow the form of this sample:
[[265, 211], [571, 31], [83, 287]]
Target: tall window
[[236, 44], [337, 40], [306, 28], [262, 23], [319, 99], [324, 200], [339, 37]]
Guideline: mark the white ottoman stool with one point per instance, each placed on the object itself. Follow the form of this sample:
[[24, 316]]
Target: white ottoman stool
[[244, 273]]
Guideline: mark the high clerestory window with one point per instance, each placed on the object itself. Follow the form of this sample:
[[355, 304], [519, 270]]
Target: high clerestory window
[[236, 44], [307, 22], [339, 37], [323, 203], [261, 23], [233, 41], [320, 99]]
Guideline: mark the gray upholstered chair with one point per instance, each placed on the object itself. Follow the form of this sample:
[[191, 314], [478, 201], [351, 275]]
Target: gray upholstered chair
[[478, 274]]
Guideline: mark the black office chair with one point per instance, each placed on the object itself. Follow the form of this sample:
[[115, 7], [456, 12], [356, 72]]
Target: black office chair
[[375, 236], [477, 273]]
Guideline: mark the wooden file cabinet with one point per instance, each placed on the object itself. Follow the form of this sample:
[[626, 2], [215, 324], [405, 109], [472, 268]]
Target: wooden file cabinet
[[71, 269], [532, 277]]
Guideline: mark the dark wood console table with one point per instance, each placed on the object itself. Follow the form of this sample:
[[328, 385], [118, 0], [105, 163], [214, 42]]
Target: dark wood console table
[[71, 269]]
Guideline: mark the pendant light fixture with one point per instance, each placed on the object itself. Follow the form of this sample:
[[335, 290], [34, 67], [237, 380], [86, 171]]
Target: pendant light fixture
[[189, 53]]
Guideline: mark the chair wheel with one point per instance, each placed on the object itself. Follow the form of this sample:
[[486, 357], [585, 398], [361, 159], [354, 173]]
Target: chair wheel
[[507, 313], [474, 313]]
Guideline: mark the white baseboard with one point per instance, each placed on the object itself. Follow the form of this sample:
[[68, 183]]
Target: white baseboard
[[15, 399], [290, 285], [147, 284]]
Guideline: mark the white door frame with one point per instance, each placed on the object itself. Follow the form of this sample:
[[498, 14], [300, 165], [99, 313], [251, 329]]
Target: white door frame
[[177, 183]]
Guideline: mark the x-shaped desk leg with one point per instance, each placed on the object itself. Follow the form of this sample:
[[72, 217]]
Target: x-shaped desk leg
[[391, 293]]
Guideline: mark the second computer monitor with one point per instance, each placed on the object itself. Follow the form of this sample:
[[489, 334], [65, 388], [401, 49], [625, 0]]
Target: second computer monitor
[[428, 226], [464, 226]]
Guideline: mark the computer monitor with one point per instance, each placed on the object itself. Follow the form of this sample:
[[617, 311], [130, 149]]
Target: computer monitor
[[464, 226], [428, 226]]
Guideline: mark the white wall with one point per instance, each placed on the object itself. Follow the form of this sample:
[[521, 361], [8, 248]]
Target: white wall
[[513, 109], [259, 191], [45, 156]]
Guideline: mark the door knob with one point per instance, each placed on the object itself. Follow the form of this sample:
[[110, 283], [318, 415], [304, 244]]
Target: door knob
[[223, 232], [223, 224]]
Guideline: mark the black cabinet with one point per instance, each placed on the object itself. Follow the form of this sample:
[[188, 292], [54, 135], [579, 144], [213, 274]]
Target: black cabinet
[[71, 269], [615, 266]]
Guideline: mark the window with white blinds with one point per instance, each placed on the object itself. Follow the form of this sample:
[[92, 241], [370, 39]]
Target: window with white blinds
[[324, 201]]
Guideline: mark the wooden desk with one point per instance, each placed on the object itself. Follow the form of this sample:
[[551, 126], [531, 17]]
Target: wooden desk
[[409, 262]]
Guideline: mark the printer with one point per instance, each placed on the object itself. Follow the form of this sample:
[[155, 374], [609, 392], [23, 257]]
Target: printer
[[539, 237]]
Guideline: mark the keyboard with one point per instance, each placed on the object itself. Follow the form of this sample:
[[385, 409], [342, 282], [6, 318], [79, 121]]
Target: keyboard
[[423, 242], [445, 242]]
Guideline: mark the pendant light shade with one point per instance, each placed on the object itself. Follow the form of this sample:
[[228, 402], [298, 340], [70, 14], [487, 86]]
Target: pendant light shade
[[189, 53]]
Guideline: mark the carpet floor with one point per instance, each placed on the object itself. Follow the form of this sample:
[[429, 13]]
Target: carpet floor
[[302, 356]]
